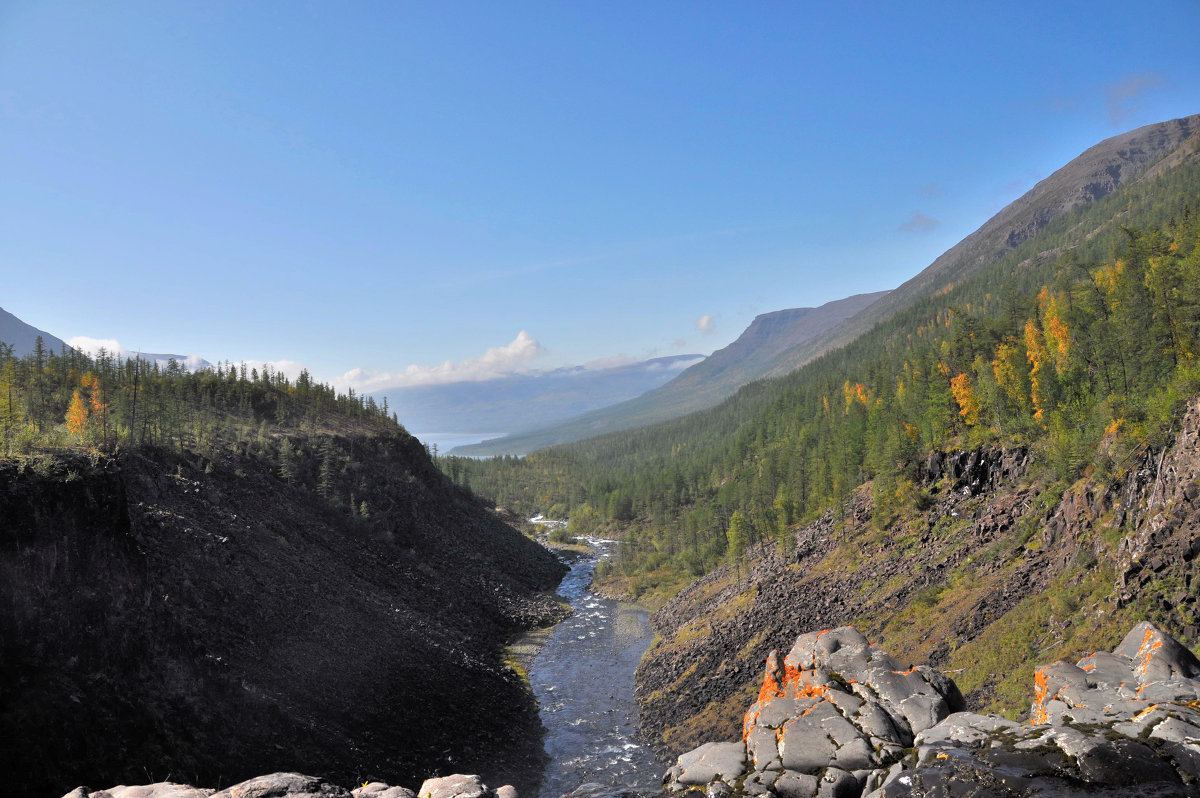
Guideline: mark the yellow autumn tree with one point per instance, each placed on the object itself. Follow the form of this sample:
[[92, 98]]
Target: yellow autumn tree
[[98, 407], [964, 394], [856, 393], [1057, 333], [77, 416], [1008, 375], [1036, 354]]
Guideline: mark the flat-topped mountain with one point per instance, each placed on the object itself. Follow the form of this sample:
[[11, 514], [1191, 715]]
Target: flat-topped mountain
[[524, 401], [753, 354]]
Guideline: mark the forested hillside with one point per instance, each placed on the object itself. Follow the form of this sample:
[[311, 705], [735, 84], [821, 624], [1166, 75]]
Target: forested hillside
[[1082, 334], [1000, 473], [217, 574]]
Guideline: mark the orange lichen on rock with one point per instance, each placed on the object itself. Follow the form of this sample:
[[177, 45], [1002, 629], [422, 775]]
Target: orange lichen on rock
[[1147, 650], [786, 682], [770, 688], [1038, 714]]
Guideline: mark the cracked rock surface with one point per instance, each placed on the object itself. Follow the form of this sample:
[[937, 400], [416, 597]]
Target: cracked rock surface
[[838, 717]]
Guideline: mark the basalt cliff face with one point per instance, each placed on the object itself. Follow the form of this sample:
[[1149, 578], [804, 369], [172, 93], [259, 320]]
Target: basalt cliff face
[[839, 717], [995, 572], [211, 623]]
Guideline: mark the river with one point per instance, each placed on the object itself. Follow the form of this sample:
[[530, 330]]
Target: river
[[583, 680]]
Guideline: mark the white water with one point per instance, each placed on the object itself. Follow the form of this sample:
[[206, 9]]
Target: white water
[[583, 680]]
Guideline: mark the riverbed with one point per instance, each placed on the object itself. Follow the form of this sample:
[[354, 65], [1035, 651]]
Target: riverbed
[[583, 680]]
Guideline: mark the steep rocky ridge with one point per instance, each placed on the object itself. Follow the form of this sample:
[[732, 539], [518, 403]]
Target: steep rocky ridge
[[1096, 173], [201, 617], [1000, 569]]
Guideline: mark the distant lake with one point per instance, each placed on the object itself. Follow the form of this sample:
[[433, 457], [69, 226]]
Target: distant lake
[[445, 441]]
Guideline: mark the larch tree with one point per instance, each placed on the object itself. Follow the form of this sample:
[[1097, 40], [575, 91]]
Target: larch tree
[[77, 416]]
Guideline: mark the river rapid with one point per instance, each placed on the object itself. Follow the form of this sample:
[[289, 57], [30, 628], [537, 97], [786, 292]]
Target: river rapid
[[583, 680]]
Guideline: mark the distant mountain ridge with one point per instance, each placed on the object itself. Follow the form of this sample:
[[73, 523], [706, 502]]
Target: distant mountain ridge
[[1094, 174], [23, 337], [523, 401], [756, 349], [705, 384]]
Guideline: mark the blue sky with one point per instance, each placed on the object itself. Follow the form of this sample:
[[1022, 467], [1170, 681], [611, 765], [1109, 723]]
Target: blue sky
[[390, 186]]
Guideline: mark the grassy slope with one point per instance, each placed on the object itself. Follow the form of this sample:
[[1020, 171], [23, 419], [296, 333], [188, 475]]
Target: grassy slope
[[984, 587]]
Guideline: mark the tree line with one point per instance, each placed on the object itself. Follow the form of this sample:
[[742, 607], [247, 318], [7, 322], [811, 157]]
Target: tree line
[[67, 399]]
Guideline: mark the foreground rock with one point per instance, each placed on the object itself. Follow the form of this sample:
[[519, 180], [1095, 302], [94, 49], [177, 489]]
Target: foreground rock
[[838, 717], [297, 785]]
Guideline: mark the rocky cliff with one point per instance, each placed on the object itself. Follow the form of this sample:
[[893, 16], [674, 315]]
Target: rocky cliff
[[163, 614], [994, 568], [839, 717]]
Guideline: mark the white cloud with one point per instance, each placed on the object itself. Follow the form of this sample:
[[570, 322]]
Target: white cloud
[[289, 368], [112, 346], [706, 323], [680, 365], [496, 362], [195, 362], [92, 346]]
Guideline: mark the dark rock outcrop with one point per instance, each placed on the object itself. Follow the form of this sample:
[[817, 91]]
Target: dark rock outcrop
[[212, 620], [840, 718]]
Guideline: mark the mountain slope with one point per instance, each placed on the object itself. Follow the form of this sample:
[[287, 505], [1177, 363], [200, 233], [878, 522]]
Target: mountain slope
[[1096, 173], [996, 474], [702, 385], [22, 337], [999, 572], [523, 401]]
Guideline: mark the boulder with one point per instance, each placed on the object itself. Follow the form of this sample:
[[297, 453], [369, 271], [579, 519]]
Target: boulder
[[839, 717], [835, 706], [283, 785], [162, 789], [456, 786], [377, 789], [724, 762]]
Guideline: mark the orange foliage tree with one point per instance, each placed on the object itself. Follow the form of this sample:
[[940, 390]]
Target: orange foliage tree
[[968, 402], [77, 416], [99, 408]]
